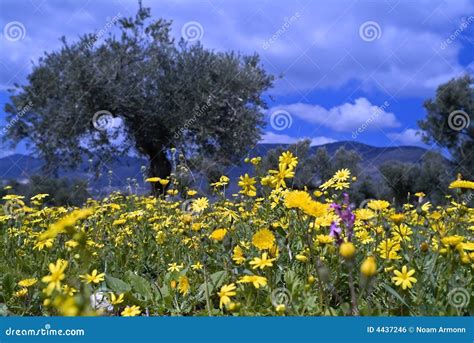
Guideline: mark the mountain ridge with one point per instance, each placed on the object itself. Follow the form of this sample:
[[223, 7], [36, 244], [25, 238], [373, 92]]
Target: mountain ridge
[[20, 167]]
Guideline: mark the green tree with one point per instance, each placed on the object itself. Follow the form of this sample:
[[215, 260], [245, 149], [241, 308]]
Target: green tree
[[435, 176], [448, 122], [323, 163], [401, 178], [344, 158], [166, 95], [62, 191]]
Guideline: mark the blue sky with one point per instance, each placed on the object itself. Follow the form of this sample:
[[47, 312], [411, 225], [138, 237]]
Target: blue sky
[[351, 70]]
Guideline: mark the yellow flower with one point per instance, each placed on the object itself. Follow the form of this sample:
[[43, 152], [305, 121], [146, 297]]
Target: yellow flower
[[218, 235], [341, 185], [388, 249], [404, 278], [324, 239], [467, 246], [94, 277], [280, 308], [315, 208], [153, 179], [342, 175], [119, 222], [378, 205], [226, 292], [462, 184], [402, 232], [238, 255], [183, 285], [262, 262], [13, 197], [200, 204], [397, 218], [255, 160], [191, 192], [172, 192], [364, 214], [288, 160], [452, 241], [66, 223], [56, 276], [21, 293], [114, 300], [247, 184], [297, 199], [131, 311], [257, 281], [27, 282], [47, 243], [197, 266], [223, 180], [263, 239], [279, 176], [39, 197], [301, 257], [164, 182], [369, 267], [69, 290], [347, 250], [174, 267]]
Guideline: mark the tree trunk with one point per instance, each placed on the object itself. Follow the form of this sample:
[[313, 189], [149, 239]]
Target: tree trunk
[[160, 166]]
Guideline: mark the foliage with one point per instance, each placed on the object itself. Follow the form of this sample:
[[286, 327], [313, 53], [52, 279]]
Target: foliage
[[287, 252], [447, 129], [160, 93], [65, 192]]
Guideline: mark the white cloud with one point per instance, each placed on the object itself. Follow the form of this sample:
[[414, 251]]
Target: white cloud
[[344, 118], [275, 138], [407, 137], [320, 49]]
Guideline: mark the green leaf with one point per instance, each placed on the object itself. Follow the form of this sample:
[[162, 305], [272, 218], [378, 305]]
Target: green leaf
[[140, 284], [215, 281], [394, 293], [117, 285]]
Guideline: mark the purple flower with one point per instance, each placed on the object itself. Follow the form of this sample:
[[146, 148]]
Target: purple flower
[[347, 217], [335, 232]]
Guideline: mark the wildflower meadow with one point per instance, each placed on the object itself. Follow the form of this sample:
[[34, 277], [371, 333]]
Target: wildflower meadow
[[269, 250]]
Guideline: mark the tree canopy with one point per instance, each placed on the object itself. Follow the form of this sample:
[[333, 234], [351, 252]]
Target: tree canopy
[[448, 122], [161, 94]]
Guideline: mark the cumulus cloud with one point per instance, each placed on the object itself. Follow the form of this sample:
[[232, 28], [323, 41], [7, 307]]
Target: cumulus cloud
[[344, 118], [407, 137], [275, 138]]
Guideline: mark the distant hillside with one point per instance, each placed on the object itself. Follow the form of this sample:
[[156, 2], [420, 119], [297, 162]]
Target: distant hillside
[[20, 167]]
